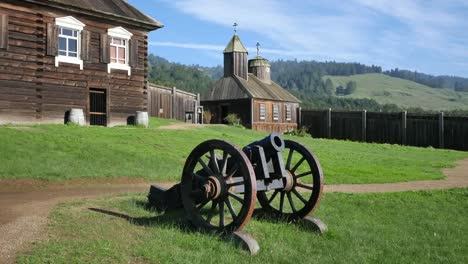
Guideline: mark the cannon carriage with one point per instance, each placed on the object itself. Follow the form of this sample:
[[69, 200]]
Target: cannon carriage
[[221, 184]]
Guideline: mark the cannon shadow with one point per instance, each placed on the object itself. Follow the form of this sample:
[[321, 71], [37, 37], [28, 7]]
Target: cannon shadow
[[173, 219]]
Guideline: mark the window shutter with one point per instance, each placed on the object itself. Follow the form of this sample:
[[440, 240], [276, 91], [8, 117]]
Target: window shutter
[[3, 31], [85, 43], [52, 39], [105, 48], [133, 53]]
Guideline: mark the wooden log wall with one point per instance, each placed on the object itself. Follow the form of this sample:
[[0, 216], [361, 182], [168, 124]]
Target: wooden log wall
[[33, 90], [422, 130], [172, 103], [270, 125]]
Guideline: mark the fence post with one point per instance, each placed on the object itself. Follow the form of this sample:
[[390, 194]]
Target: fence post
[[299, 117], [174, 97], [441, 130], [364, 126], [328, 122], [403, 127]]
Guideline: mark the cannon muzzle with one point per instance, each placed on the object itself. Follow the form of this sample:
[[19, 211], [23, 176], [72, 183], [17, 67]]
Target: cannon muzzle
[[271, 145]]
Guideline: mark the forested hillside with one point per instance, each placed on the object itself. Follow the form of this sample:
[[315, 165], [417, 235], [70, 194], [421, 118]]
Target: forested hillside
[[189, 78], [312, 83]]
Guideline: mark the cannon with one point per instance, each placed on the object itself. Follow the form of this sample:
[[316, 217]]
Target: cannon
[[221, 184]]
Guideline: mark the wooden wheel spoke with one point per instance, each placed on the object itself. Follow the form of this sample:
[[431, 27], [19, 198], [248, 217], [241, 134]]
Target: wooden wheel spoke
[[212, 212], [235, 184], [281, 202], [298, 195], [224, 163], [235, 196], [221, 213], [231, 209], [232, 171], [200, 206], [214, 161], [288, 162], [303, 174], [205, 167], [308, 187], [273, 196], [298, 164], [291, 202], [198, 176]]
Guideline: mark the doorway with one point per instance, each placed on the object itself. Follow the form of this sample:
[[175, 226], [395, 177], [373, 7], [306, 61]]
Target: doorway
[[97, 107], [224, 113]]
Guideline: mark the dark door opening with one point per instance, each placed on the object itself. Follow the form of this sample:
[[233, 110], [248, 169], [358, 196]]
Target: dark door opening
[[97, 107], [224, 113]]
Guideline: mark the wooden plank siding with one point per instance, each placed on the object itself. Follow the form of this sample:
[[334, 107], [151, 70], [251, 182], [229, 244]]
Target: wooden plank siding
[[165, 102], [421, 130], [33, 90], [269, 124]]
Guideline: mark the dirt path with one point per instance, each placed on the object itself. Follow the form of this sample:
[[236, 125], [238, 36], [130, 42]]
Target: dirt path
[[456, 178], [25, 204]]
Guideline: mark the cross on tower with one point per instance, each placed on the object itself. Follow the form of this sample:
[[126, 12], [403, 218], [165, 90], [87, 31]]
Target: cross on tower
[[235, 27], [258, 48]]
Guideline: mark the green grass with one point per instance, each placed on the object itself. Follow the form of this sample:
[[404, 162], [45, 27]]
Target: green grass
[[389, 90], [58, 152], [410, 227]]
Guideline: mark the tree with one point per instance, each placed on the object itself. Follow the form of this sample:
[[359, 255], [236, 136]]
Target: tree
[[351, 87]]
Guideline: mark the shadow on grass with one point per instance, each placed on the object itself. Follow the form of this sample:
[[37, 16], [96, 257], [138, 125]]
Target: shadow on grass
[[303, 224], [175, 218]]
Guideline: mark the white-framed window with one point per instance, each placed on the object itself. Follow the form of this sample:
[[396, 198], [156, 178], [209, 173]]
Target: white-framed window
[[288, 112], [69, 40], [275, 112], [262, 111], [119, 49]]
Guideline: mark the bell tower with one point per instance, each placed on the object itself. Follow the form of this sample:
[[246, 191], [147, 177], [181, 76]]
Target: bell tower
[[235, 57]]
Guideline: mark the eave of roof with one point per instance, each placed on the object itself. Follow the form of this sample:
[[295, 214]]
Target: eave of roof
[[148, 23], [253, 88], [269, 91]]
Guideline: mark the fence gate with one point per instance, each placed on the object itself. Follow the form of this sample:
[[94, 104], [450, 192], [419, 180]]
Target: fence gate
[[97, 107]]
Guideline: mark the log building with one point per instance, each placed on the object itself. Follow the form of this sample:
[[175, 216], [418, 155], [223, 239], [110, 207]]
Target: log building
[[246, 89], [56, 55]]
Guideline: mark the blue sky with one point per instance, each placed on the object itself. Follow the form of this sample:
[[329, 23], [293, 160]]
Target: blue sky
[[423, 35]]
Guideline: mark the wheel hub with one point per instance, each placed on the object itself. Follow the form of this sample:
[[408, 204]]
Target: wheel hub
[[212, 188], [288, 181]]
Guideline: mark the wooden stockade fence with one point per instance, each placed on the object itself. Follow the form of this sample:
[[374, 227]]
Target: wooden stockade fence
[[422, 130], [165, 102]]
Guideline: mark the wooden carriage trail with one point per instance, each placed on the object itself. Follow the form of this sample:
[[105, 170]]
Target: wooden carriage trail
[[25, 205]]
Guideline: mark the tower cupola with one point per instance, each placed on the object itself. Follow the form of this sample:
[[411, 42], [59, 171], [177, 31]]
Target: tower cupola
[[235, 58], [260, 67]]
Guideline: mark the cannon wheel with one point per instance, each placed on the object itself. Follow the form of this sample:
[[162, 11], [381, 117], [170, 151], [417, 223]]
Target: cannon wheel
[[213, 174], [302, 194]]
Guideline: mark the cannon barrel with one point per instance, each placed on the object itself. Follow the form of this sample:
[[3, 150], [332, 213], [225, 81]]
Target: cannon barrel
[[271, 145]]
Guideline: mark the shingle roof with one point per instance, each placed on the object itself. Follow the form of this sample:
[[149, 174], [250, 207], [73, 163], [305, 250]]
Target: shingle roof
[[235, 45], [229, 88], [107, 8]]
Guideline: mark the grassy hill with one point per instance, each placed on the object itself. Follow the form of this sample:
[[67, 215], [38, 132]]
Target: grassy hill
[[389, 90]]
